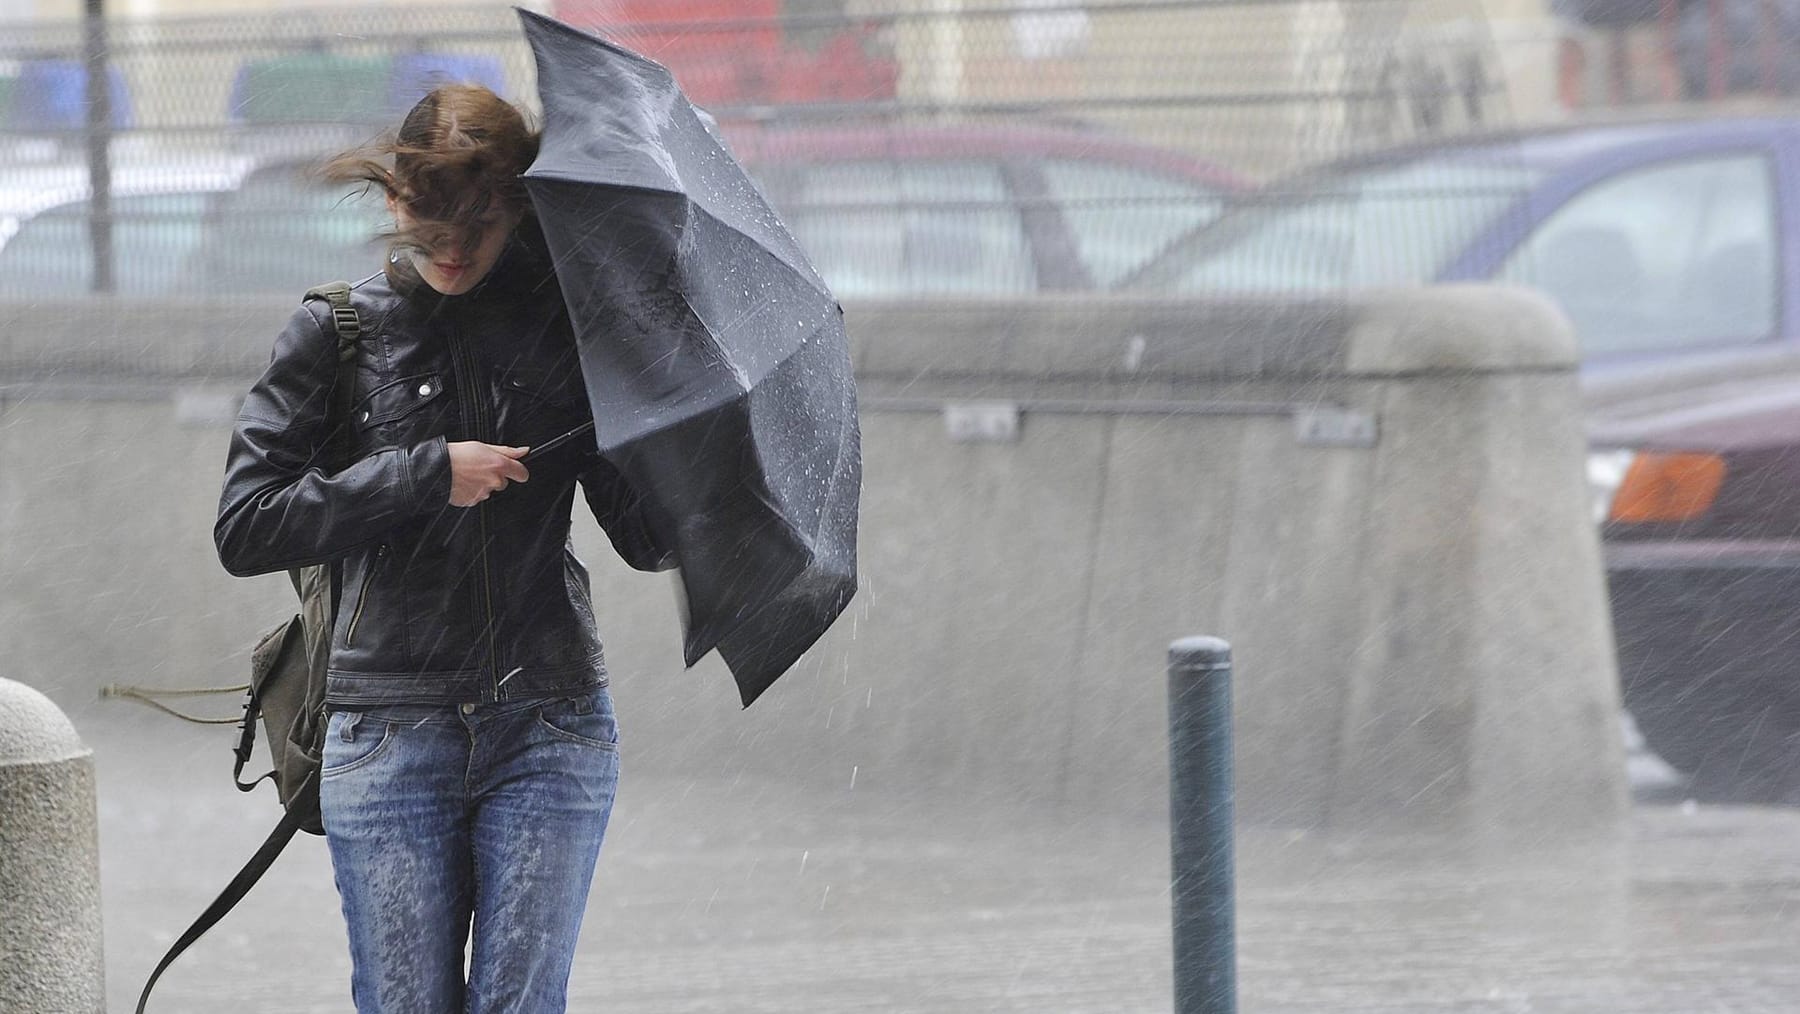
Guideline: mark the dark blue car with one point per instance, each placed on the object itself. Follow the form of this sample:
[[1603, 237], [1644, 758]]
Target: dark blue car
[[1674, 248]]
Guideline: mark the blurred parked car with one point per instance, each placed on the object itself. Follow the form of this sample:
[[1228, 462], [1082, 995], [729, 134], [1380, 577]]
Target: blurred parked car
[[890, 211], [882, 212], [44, 243], [189, 228], [1674, 248]]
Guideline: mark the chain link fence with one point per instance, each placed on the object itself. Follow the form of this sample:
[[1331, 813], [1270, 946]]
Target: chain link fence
[[1631, 53], [927, 147]]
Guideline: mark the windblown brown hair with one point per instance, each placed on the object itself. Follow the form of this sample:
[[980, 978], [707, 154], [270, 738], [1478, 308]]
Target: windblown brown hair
[[457, 155]]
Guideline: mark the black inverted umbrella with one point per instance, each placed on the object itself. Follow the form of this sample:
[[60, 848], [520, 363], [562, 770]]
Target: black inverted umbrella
[[714, 355]]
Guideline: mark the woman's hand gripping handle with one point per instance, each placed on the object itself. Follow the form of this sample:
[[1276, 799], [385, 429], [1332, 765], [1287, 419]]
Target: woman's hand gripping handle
[[478, 470]]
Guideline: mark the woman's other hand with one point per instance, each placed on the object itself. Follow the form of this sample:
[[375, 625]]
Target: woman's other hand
[[478, 470]]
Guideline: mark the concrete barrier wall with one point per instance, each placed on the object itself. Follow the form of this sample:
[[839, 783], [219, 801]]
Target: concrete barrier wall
[[1419, 619]]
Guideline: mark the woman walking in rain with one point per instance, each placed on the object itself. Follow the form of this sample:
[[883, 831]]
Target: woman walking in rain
[[471, 752]]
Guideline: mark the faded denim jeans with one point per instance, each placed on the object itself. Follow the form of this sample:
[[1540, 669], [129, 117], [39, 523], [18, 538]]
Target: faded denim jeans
[[439, 817]]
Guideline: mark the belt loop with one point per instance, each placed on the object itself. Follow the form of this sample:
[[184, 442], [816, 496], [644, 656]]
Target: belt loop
[[347, 732], [584, 705]]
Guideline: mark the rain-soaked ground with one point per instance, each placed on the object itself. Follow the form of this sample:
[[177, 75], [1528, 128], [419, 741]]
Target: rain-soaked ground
[[748, 897]]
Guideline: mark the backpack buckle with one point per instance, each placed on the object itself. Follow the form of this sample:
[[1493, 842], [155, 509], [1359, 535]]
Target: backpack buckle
[[346, 320]]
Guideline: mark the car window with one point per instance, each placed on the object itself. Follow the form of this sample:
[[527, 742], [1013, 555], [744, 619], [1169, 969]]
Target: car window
[[281, 231], [1122, 217], [1382, 226], [52, 254], [1677, 256], [887, 229]]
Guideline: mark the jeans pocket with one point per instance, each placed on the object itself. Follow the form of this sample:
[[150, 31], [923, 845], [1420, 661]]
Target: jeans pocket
[[587, 720], [353, 740]]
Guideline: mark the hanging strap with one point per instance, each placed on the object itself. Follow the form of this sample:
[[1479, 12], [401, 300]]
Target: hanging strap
[[234, 892], [152, 697], [246, 744]]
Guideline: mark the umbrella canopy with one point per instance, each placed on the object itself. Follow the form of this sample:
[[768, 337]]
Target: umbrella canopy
[[714, 355]]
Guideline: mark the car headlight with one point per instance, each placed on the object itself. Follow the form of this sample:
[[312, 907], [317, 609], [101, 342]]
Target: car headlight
[[1606, 471]]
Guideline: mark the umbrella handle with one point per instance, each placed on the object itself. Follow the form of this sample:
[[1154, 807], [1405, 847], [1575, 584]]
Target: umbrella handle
[[557, 441]]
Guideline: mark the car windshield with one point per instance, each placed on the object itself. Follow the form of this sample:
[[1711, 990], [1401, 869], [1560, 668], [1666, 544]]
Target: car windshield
[[51, 253], [1369, 226]]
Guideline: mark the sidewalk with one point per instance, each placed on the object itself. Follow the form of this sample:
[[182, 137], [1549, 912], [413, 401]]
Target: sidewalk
[[715, 897]]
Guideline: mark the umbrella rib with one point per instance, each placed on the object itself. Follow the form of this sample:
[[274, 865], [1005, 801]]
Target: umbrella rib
[[724, 327], [810, 275], [710, 329], [585, 234]]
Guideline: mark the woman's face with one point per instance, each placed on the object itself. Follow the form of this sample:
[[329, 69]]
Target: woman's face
[[454, 266]]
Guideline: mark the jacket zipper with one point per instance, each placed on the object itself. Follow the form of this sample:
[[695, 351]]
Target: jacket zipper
[[362, 596], [487, 596], [475, 417]]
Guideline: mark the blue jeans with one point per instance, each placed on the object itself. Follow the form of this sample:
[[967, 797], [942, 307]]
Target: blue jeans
[[443, 817]]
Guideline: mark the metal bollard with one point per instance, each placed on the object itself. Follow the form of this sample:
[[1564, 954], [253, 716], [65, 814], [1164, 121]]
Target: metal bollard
[[50, 956], [1201, 806]]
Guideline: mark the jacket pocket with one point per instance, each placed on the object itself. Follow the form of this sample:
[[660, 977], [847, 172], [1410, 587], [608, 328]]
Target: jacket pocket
[[398, 399], [537, 405], [561, 388], [362, 595]]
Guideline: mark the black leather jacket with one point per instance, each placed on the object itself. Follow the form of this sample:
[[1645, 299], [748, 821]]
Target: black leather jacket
[[439, 604]]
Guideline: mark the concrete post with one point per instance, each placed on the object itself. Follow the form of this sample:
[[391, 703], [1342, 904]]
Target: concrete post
[[50, 951]]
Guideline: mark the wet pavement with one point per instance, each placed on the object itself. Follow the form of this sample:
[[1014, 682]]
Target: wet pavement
[[715, 896]]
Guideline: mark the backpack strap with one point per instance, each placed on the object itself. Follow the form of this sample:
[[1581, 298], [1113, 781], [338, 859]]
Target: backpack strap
[[234, 892], [347, 324]]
